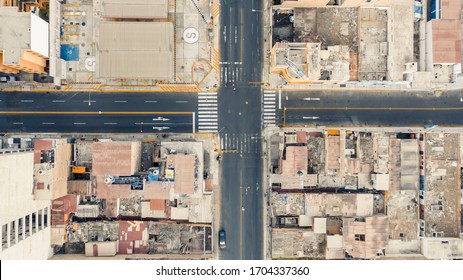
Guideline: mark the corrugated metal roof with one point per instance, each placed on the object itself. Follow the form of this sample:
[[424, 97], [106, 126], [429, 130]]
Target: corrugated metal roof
[[184, 172], [296, 160], [113, 158], [446, 41], [138, 50], [134, 8]]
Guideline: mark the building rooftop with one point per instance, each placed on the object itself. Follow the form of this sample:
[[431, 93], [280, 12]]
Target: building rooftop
[[296, 160], [365, 238], [442, 185], [446, 43], [51, 168], [135, 50], [23, 41], [184, 169], [114, 159], [134, 9], [409, 170], [297, 243], [402, 211], [442, 248]]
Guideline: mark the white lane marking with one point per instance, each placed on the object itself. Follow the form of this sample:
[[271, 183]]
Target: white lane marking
[[79, 123], [207, 101], [230, 63], [27, 101], [208, 120], [193, 123], [225, 33], [58, 101], [89, 101], [151, 101], [279, 99], [48, 123], [208, 108], [310, 118], [18, 123], [110, 123], [120, 101], [312, 99], [181, 101]]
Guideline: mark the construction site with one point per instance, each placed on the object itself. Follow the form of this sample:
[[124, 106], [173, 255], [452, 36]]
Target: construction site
[[346, 194]]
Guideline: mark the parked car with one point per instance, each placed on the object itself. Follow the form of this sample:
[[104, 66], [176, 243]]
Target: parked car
[[222, 243], [5, 79]]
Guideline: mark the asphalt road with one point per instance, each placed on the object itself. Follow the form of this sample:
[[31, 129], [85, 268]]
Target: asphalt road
[[240, 129], [98, 112], [369, 108]]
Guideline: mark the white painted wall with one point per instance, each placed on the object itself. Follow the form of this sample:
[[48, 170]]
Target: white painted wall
[[39, 35], [16, 201]]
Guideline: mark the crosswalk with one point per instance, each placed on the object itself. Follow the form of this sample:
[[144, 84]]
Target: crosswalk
[[207, 112], [243, 143], [269, 107], [229, 72]]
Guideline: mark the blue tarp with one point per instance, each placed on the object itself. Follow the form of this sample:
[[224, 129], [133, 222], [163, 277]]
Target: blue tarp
[[70, 52], [435, 9], [153, 177], [421, 183]]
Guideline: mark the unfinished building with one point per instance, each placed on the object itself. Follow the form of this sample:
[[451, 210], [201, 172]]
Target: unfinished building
[[442, 185], [376, 39], [140, 237]]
